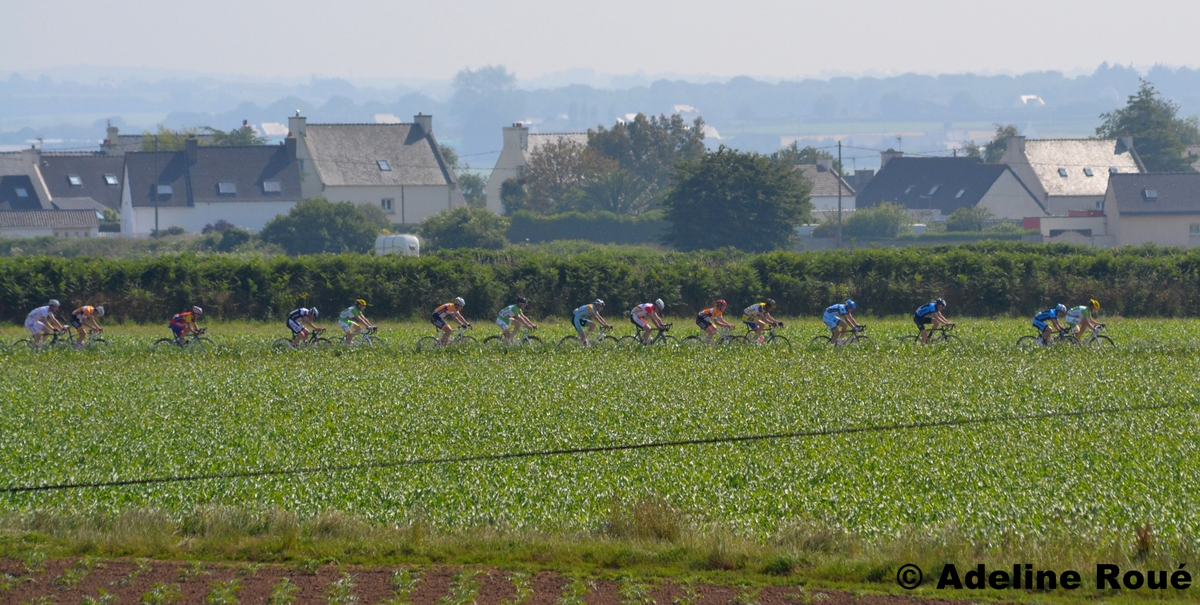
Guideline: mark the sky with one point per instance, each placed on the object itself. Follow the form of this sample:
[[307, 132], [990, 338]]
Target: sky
[[772, 39]]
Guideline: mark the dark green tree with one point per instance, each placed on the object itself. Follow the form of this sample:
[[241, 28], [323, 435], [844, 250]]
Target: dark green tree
[[246, 135], [886, 220], [1159, 136], [731, 198], [319, 225], [793, 155], [166, 139], [473, 187], [464, 227], [968, 219], [650, 147], [993, 150], [513, 195]]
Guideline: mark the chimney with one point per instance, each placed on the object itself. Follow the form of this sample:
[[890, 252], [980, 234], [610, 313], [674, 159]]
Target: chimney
[[290, 145], [297, 124], [112, 143], [1124, 144], [192, 146], [1014, 144], [825, 164], [425, 122], [886, 156], [516, 137]]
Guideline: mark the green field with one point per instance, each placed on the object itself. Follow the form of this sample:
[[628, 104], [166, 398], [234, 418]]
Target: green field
[[125, 413]]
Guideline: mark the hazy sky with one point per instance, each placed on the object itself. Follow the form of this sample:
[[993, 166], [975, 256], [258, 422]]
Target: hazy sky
[[359, 39]]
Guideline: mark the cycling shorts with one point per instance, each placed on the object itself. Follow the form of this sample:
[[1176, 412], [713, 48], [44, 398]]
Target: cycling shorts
[[1074, 320], [294, 326], [581, 323], [703, 322], [346, 324], [504, 325], [177, 328], [76, 321], [639, 322], [831, 320], [437, 321], [922, 321], [1040, 325], [752, 325], [35, 327]]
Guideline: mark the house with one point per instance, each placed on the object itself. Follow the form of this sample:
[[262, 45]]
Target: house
[[246, 186], [1159, 208], [826, 186], [52, 223], [1070, 174], [77, 181], [21, 185], [933, 188], [397, 166], [519, 144]]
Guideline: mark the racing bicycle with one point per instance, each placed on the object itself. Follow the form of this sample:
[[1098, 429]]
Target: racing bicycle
[[522, 337], [196, 341], [851, 337], [661, 338], [937, 335], [314, 339], [457, 339], [603, 339]]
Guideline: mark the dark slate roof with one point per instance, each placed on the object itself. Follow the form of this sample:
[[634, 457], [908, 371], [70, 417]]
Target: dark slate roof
[[77, 203], [171, 167], [49, 218], [9, 200], [346, 155], [909, 182], [247, 168], [1177, 193], [91, 170]]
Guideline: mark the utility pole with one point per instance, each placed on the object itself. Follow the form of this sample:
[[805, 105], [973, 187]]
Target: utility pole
[[157, 178], [838, 173]]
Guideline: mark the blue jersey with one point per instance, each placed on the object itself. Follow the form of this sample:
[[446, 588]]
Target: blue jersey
[[928, 309], [837, 310], [585, 311], [1046, 315]]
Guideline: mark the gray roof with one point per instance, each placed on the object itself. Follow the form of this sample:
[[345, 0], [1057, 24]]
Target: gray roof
[[348, 155], [91, 169], [63, 219], [77, 203], [133, 142], [1177, 193], [9, 200], [146, 169], [911, 182], [824, 182], [247, 168], [1047, 156]]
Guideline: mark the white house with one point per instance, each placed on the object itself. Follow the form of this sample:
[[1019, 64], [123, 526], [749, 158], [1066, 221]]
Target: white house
[[52, 223], [825, 187], [933, 188], [518, 145], [1070, 174], [1162, 208]]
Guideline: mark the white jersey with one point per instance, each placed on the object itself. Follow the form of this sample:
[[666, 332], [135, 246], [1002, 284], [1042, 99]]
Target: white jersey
[[39, 315]]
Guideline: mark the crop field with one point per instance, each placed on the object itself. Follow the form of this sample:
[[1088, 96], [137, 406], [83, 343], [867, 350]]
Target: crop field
[[126, 413]]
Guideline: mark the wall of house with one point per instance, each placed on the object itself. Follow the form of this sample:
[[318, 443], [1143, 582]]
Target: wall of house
[[831, 203], [509, 165], [49, 232], [410, 204], [247, 215], [1059, 205], [1008, 199], [1161, 229]]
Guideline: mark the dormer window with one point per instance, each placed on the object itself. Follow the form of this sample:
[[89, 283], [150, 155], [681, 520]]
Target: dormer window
[[74, 180], [165, 190], [272, 186], [110, 180], [960, 193], [909, 190], [1150, 195], [934, 189], [1088, 172], [384, 166], [1114, 170], [227, 188], [1062, 172], [22, 192]]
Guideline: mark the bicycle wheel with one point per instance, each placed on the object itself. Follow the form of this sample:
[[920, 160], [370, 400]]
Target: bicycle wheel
[[367, 340], [428, 343], [1028, 342], [778, 342], [494, 340], [667, 340], [569, 342], [98, 342], [950, 339], [321, 342], [1099, 340], [815, 339], [910, 339], [628, 341], [282, 344], [25, 343], [163, 344], [693, 341]]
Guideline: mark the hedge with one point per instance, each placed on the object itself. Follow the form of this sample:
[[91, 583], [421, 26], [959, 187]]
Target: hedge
[[602, 227], [983, 279]]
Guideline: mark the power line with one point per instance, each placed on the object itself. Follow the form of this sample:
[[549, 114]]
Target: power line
[[598, 449]]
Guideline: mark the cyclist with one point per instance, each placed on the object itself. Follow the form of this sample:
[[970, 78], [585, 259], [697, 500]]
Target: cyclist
[[300, 322], [1080, 318], [1049, 315], [41, 320], [513, 314], [185, 321], [758, 316], [638, 316], [86, 314], [839, 318], [582, 318], [352, 320], [710, 318], [452, 309], [930, 314]]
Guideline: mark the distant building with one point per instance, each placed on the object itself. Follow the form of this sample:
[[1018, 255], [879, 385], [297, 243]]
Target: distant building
[[514, 155], [398, 167], [1161, 208], [825, 182], [1070, 174], [52, 223], [78, 181], [933, 188]]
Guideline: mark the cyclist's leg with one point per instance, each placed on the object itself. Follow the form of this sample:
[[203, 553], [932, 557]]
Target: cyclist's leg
[[832, 322], [643, 329]]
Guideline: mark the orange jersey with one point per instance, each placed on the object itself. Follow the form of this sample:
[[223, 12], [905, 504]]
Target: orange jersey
[[446, 309], [712, 312], [85, 311]]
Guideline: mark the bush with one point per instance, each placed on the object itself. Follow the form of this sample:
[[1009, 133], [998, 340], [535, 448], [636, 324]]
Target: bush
[[464, 227], [885, 220], [968, 219], [319, 225], [602, 227]]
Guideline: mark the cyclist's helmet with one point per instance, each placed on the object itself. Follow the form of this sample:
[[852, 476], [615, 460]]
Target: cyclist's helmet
[[850, 304], [598, 303], [941, 302], [53, 303], [197, 310], [99, 311], [770, 302], [1061, 309], [721, 302], [1095, 304], [459, 302], [314, 312], [658, 304], [522, 301], [360, 302]]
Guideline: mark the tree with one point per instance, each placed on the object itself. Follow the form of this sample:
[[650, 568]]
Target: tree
[[450, 155], [886, 220], [464, 228], [246, 135], [619, 192], [731, 198], [513, 195], [993, 150], [557, 168], [374, 213], [318, 225], [968, 219], [167, 139], [473, 187], [792, 156], [1160, 138], [650, 147]]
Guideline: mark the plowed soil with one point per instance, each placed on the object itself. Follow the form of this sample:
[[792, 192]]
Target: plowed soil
[[55, 583]]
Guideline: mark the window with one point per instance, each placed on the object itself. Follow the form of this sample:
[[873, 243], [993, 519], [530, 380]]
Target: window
[[1150, 195], [1114, 170], [110, 180], [1088, 172], [384, 165], [1062, 172], [909, 190], [1194, 230], [74, 180], [272, 186], [165, 190], [22, 192], [1099, 205], [934, 189], [227, 188], [386, 204], [960, 193]]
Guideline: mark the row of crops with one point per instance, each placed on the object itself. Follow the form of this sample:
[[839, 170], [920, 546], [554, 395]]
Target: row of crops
[[72, 416]]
